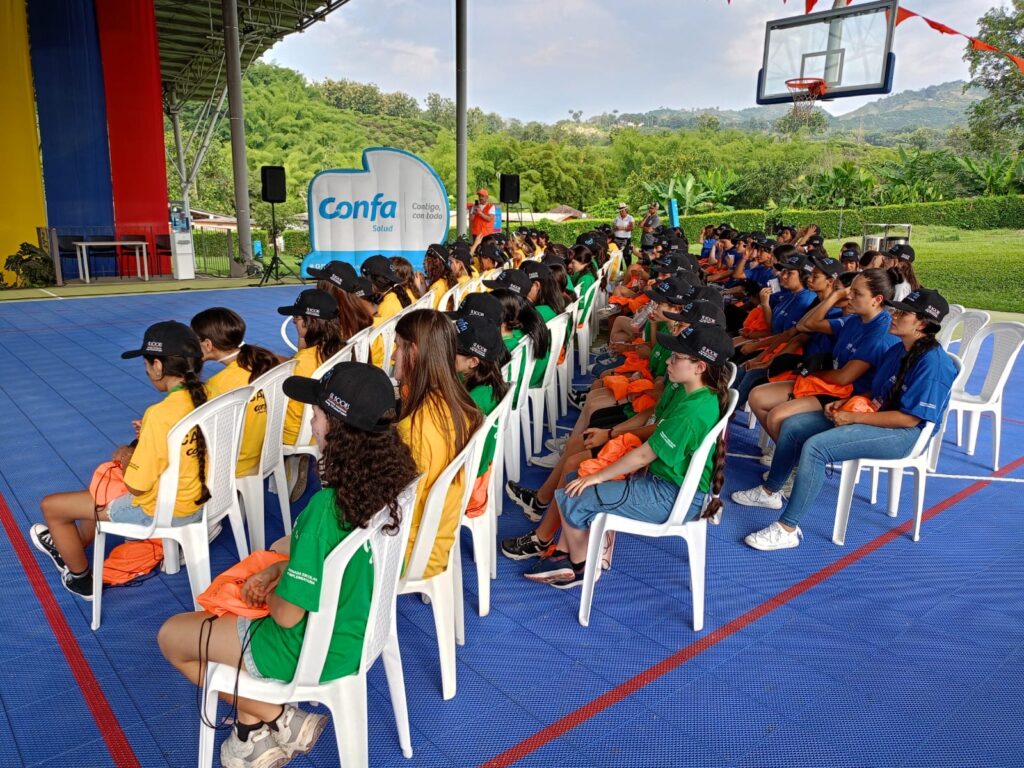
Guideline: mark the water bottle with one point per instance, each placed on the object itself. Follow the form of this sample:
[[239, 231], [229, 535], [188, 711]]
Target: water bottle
[[640, 318]]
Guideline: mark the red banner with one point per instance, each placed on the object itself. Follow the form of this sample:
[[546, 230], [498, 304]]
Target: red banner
[[135, 125]]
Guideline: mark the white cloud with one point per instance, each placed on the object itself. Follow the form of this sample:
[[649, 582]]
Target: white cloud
[[535, 59]]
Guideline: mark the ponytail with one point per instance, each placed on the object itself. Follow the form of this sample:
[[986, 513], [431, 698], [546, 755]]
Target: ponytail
[[519, 314], [325, 335], [225, 330], [919, 349], [716, 378], [188, 368]]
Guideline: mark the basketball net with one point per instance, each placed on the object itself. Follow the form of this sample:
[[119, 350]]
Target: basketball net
[[805, 91]]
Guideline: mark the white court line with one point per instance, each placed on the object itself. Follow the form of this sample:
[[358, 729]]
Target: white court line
[[986, 478], [49, 293]]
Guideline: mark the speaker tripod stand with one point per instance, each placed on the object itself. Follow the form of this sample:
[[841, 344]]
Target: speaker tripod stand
[[276, 265]]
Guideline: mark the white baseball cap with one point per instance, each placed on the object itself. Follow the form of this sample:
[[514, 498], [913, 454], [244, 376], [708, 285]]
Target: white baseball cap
[[622, 205]]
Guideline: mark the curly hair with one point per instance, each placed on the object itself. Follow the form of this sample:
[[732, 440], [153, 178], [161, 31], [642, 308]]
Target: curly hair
[[366, 471]]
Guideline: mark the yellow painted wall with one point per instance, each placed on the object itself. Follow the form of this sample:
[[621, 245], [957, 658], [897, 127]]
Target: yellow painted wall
[[21, 195]]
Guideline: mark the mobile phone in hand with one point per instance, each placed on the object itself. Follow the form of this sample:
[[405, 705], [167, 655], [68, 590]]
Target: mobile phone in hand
[[774, 285]]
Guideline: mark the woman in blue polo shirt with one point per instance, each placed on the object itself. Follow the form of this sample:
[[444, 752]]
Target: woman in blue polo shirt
[[910, 387], [861, 341]]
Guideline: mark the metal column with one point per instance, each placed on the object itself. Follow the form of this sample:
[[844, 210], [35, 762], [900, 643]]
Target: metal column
[[174, 108], [236, 112], [460, 116]]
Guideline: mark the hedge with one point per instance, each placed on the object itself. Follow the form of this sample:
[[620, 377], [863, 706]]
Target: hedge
[[969, 213]]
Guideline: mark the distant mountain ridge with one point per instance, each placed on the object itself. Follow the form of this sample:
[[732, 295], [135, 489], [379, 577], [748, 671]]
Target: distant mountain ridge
[[937, 106]]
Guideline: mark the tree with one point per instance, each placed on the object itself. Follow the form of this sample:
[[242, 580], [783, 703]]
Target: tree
[[708, 122], [997, 121], [790, 123]]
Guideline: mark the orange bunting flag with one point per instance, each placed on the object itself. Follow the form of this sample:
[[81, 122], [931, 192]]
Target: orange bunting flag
[[938, 26], [902, 14], [1016, 60], [981, 45]]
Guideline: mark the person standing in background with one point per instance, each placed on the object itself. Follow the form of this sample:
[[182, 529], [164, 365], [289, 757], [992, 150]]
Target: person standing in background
[[481, 218], [622, 231]]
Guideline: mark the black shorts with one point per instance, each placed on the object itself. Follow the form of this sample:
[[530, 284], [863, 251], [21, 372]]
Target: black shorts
[[606, 418]]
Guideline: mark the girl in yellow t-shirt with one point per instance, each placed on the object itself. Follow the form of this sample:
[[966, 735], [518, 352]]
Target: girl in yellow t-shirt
[[173, 361], [438, 418], [354, 295], [437, 268], [315, 314], [221, 333]]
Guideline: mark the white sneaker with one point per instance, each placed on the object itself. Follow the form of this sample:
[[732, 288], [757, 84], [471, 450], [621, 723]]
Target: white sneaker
[[758, 497], [769, 454], [787, 487], [556, 444], [260, 750], [549, 461], [774, 537], [606, 312]]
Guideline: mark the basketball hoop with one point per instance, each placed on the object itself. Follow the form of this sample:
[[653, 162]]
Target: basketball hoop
[[805, 92]]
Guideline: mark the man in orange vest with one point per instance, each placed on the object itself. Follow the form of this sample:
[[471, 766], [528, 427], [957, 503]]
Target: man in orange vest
[[481, 218]]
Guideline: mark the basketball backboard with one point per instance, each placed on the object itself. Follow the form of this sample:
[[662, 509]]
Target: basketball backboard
[[850, 48]]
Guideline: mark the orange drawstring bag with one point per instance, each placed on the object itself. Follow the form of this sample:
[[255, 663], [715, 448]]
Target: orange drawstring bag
[[643, 402], [784, 376], [107, 483], [478, 498], [610, 452], [807, 386], [634, 364], [132, 559], [756, 322], [859, 404], [224, 595]]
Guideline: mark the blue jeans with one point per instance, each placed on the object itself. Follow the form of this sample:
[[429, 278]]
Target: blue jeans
[[811, 440], [746, 381], [641, 496]]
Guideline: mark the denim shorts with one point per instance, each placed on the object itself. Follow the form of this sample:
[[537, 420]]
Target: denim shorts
[[641, 496], [124, 510], [242, 624]]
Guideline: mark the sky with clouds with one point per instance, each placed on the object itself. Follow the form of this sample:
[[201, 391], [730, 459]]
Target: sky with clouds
[[538, 59]]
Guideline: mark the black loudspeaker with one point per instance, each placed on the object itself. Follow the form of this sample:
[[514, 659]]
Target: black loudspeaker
[[509, 188], [272, 179]]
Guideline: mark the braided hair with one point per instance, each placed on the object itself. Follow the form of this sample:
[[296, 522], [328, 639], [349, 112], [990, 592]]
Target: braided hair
[[188, 368], [716, 378], [918, 349]]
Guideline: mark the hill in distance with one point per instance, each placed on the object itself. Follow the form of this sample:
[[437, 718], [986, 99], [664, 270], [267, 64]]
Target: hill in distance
[[938, 106]]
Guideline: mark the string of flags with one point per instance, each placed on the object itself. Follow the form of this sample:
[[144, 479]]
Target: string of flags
[[902, 14]]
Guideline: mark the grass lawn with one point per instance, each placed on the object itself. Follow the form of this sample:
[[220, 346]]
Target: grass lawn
[[982, 269]]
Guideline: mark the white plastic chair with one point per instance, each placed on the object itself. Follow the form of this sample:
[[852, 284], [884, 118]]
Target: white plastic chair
[[969, 320], [444, 589], [484, 528], [386, 333], [918, 461], [584, 329], [345, 697], [426, 301], [450, 300], [517, 373], [545, 397], [250, 488], [220, 421], [565, 366], [285, 325], [304, 445], [694, 532], [1007, 338]]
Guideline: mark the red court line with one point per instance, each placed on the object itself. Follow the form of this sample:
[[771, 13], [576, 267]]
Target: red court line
[[106, 721], [608, 699], [1013, 421]]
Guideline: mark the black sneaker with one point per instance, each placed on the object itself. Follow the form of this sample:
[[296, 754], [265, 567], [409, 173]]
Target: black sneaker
[[527, 501], [556, 567], [43, 541], [78, 585], [575, 580], [524, 547], [577, 397]]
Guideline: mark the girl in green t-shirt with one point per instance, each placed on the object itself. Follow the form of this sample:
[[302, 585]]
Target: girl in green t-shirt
[[697, 368], [521, 319], [478, 361], [365, 466]]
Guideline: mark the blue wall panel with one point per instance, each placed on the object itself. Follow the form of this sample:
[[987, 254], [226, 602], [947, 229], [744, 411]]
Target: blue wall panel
[[72, 115]]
